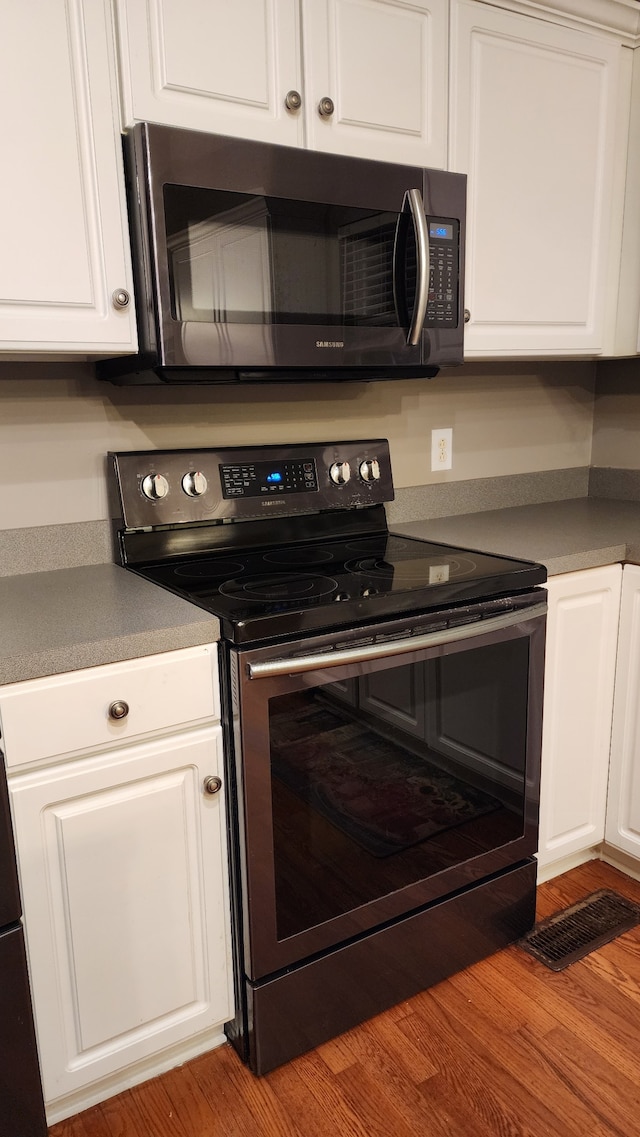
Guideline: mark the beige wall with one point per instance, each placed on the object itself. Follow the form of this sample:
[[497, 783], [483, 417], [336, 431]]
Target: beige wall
[[57, 422], [616, 422]]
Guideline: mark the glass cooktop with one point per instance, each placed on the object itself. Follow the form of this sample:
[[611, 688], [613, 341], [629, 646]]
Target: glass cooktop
[[319, 585]]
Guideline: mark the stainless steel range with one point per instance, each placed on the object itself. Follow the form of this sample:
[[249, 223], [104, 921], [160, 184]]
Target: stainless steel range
[[382, 708]]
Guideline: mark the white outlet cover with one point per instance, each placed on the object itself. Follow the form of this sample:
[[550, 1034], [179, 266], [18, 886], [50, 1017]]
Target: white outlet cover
[[442, 448]]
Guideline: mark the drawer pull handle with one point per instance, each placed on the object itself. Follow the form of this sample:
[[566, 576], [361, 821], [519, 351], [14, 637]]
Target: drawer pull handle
[[212, 784], [118, 710]]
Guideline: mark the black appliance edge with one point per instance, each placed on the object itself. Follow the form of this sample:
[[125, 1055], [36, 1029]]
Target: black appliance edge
[[322, 998], [22, 1112]]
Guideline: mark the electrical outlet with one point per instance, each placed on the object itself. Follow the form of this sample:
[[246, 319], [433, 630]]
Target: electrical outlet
[[442, 448]]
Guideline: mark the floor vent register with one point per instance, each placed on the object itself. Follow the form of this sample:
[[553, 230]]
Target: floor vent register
[[573, 933]]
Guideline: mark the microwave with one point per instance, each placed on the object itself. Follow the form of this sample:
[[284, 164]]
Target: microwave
[[257, 262]]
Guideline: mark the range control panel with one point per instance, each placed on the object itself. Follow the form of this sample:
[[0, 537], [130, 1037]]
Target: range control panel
[[253, 479], [172, 487]]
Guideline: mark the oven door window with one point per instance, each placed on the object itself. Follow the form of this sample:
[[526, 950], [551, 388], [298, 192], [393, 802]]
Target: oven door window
[[394, 775]]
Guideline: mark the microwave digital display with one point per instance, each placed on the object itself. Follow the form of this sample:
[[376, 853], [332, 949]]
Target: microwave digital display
[[441, 232]]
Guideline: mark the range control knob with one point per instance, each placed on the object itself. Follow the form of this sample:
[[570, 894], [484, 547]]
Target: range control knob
[[370, 470], [340, 472], [194, 483], [155, 487]]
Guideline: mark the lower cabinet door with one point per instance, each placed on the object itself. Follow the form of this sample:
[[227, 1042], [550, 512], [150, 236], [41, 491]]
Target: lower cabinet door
[[623, 801], [582, 632], [122, 864]]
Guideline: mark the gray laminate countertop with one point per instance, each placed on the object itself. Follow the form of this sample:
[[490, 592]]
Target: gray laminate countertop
[[69, 618], [66, 619], [563, 535]]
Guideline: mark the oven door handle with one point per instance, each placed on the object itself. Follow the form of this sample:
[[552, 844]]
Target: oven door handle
[[344, 656]]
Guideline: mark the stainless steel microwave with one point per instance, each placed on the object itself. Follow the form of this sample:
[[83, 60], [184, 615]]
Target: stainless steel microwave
[[258, 262]]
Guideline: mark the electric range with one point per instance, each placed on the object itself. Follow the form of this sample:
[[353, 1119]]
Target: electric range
[[382, 720]]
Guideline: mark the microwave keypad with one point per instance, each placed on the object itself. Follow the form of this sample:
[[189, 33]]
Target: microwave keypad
[[442, 308]]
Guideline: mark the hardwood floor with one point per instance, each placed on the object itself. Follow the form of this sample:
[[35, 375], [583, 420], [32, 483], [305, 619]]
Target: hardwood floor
[[504, 1049]]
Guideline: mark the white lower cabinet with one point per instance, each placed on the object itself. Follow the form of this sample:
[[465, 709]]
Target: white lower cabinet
[[582, 631], [123, 872], [623, 801]]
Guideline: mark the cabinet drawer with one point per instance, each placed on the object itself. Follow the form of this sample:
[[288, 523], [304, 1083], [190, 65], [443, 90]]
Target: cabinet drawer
[[42, 718]]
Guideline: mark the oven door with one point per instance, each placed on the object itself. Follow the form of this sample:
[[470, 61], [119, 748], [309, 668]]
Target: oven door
[[378, 770]]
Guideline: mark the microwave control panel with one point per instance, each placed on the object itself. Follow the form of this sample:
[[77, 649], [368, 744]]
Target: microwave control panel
[[444, 242]]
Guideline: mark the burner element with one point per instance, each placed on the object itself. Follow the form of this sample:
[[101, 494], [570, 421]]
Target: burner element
[[282, 589], [377, 544], [218, 569], [405, 571], [307, 555]]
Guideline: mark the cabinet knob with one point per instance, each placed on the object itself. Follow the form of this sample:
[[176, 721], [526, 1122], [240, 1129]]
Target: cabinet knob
[[293, 100], [121, 298], [118, 710], [212, 784], [326, 107], [467, 315]]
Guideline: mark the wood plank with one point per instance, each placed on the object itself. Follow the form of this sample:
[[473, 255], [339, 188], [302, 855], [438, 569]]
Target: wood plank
[[610, 1100], [495, 1084]]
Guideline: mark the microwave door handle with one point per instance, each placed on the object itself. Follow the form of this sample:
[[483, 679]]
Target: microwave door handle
[[414, 198], [343, 656]]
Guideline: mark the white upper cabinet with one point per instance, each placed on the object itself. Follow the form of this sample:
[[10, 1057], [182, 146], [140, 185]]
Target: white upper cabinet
[[63, 228], [225, 66], [535, 123], [374, 82], [383, 65]]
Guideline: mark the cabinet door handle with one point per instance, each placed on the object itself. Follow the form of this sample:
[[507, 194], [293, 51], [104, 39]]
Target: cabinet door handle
[[326, 107], [212, 784], [118, 710], [121, 298], [293, 100]]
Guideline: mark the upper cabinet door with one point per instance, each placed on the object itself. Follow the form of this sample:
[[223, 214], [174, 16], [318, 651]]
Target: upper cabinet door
[[383, 65], [533, 124], [375, 72], [63, 229], [225, 66]]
